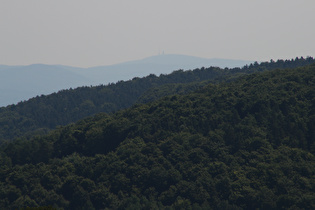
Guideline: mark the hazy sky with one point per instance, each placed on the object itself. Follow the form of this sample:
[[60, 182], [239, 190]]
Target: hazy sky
[[101, 32]]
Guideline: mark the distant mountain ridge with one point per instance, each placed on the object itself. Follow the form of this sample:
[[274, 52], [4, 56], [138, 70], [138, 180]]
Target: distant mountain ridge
[[159, 64], [18, 83]]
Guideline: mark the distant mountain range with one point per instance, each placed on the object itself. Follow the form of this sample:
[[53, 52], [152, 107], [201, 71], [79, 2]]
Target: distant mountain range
[[18, 83]]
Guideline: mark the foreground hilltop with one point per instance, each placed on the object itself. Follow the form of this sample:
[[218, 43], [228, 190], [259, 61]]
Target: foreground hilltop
[[246, 144]]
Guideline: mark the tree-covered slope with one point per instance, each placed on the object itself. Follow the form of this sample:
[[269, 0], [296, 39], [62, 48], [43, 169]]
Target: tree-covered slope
[[247, 144], [40, 114]]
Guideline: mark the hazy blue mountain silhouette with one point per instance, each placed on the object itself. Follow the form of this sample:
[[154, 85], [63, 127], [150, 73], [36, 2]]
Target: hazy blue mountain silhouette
[[18, 83], [23, 82], [159, 64]]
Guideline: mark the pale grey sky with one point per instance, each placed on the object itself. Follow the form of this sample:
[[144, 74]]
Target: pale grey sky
[[88, 33]]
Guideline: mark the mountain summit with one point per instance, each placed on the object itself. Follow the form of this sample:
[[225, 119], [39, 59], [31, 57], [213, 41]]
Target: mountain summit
[[159, 64], [18, 83]]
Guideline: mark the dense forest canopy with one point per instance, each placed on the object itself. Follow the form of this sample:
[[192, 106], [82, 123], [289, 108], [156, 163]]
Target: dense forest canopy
[[43, 113], [248, 143]]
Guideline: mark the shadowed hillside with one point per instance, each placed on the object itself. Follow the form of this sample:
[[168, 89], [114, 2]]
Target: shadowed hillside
[[246, 144]]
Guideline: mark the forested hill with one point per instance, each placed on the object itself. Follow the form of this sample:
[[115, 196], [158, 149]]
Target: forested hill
[[40, 114], [247, 144]]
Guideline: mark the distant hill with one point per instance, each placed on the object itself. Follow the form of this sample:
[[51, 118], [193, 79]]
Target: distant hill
[[159, 64], [18, 83]]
